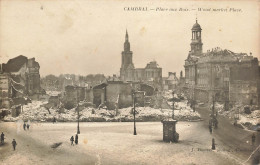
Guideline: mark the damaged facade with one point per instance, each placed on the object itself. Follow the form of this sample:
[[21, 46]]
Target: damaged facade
[[119, 94], [220, 74], [20, 78], [151, 74], [75, 94]]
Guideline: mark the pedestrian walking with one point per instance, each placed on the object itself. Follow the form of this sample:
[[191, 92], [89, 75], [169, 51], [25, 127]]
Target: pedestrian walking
[[76, 139], [28, 126], [24, 126], [213, 147], [54, 120], [235, 122], [210, 129], [72, 140], [14, 143], [253, 139], [2, 138]]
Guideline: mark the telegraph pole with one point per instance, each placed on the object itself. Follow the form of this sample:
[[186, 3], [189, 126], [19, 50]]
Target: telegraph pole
[[213, 105], [134, 100], [78, 131]]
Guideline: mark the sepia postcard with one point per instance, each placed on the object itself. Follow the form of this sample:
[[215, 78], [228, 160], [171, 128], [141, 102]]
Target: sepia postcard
[[117, 82]]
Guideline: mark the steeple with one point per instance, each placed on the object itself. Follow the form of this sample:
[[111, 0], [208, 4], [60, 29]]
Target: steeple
[[126, 36], [196, 43], [126, 44], [127, 59]]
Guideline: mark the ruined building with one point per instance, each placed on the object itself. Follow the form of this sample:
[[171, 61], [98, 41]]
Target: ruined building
[[151, 74], [220, 74], [20, 77]]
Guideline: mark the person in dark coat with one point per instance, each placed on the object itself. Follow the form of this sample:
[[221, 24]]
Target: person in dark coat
[[213, 144], [210, 129], [2, 138], [253, 139], [14, 143], [24, 126], [76, 139], [72, 140], [54, 120], [28, 126]]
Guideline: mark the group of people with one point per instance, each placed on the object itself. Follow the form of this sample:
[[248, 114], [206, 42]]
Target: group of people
[[76, 139], [3, 139], [26, 126]]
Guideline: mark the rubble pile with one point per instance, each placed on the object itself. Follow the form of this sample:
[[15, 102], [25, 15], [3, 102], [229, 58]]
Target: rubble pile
[[248, 116], [35, 111]]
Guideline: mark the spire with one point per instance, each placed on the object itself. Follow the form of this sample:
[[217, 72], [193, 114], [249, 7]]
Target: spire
[[126, 36], [126, 44]]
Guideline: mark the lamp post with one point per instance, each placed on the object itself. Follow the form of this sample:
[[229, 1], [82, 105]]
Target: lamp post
[[213, 106], [134, 100], [78, 131], [173, 102]]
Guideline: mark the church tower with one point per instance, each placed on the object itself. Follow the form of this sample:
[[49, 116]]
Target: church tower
[[127, 62], [196, 44]]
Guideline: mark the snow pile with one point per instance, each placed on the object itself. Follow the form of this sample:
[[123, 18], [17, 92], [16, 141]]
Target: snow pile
[[53, 93], [219, 107], [249, 119], [187, 115], [246, 120], [183, 105], [168, 94], [238, 113]]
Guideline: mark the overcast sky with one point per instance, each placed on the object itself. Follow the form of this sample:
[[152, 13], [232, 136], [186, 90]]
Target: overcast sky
[[86, 37]]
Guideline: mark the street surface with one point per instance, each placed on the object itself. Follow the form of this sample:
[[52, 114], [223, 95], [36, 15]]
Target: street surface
[[112, 143], [233, 138]]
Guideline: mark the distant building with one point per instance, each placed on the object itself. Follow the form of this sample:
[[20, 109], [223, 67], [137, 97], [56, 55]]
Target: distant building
[[151, 74], [222, 74], [171, 82]]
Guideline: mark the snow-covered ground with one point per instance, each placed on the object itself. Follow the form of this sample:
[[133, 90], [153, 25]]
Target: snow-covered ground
[[112, 143]]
